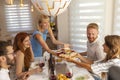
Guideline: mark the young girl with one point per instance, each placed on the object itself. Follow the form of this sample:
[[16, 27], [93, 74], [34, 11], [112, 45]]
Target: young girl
[[24, 56]]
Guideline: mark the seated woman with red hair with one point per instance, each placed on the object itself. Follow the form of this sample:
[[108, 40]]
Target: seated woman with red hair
[[24, 56]]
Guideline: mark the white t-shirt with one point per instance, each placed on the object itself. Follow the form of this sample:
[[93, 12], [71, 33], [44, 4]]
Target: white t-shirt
[[4, 74], [95, 50]]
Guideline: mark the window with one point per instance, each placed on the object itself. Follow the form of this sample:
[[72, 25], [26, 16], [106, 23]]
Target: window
[[116, 26], [18, 18], [83, 12]]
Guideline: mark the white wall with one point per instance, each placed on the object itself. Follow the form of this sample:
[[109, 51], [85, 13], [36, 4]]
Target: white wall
[[63, 27], [108, 17]]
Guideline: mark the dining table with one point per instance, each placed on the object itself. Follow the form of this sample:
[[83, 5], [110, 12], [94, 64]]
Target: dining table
[[78, 73]]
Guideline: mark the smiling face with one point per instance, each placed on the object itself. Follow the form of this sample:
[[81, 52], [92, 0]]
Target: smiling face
[[26, 42], [45, 24], [92, 34]]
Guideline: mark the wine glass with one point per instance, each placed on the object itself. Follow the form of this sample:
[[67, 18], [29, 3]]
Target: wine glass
[[42, 62], [69, 73]]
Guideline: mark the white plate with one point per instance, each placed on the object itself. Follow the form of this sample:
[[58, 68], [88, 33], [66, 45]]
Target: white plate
[[80, 77]]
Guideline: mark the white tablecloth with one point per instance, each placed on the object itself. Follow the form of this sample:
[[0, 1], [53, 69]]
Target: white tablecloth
[[77, 72], [39, 76]]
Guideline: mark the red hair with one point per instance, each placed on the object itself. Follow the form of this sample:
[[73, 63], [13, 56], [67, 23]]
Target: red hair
[[18, 45]]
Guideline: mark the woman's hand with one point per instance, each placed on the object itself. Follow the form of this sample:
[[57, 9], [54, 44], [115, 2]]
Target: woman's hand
[[36, 70], [23, 76]]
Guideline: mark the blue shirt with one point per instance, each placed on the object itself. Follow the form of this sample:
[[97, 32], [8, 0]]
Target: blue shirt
[[36, 46]]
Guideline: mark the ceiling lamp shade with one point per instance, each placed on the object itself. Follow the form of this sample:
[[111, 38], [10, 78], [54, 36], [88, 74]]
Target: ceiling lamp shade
[[51, 7]]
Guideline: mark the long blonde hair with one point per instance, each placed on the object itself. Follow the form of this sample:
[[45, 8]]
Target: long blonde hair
[[113, 43]]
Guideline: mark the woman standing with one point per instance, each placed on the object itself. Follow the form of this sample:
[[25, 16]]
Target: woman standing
[[39, 37], [24, 56]]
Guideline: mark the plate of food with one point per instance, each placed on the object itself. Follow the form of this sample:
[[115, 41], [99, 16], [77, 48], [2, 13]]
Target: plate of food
[[66, 52]]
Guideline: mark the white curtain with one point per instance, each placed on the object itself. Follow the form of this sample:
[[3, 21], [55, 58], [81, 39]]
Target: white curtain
[[18, 18], [116, 26], [81, 13]]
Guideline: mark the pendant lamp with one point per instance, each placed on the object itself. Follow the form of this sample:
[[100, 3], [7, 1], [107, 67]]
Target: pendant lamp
[[51, 7]]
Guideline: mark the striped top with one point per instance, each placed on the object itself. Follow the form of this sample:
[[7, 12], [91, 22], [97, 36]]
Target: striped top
[[99, 67]]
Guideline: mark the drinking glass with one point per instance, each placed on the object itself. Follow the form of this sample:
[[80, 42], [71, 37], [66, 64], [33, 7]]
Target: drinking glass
[[42, 62]]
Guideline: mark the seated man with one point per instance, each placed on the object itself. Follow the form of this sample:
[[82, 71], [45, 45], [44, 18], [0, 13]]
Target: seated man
[[6, 59], [94, 47]]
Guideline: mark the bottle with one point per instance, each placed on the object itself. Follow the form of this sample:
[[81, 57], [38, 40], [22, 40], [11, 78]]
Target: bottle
[[51, 62]]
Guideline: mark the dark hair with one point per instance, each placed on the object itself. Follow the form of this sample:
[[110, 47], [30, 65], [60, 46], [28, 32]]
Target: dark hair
[[3, 45]]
